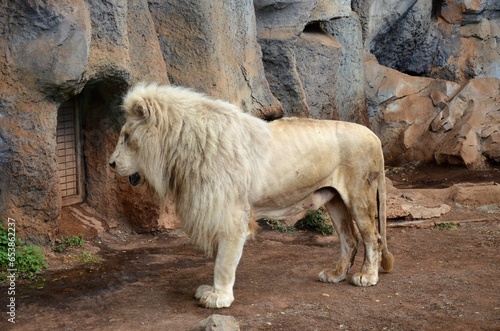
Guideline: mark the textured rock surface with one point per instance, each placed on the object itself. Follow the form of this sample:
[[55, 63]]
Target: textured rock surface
[[350, 95], [453, 40], [319, 73], [428, 120], [217, 322], [416, 204], [302, 73], [470, 125], [212, 46], [291, 16], [277, 17]]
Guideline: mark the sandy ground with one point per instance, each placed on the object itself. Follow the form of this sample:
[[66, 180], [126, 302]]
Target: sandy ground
[[443, 279]]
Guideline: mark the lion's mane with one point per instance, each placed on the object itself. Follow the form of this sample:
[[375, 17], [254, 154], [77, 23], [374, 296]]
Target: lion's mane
[[207, 153]]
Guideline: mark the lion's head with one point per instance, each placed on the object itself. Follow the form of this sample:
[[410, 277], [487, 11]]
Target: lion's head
[[137, 151]]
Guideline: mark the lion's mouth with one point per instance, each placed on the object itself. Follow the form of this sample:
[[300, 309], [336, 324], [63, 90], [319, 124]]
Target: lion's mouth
[[134, 179]]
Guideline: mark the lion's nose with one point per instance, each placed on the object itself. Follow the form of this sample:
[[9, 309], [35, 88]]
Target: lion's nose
[[112, 164]]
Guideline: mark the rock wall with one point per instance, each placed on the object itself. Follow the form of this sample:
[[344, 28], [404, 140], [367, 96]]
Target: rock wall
[[272, 58], [448, 39], [445, 108], [211, 46], [432, 120], [312, 53]]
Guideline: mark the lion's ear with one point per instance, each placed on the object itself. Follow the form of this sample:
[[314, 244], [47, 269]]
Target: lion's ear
[[140, 110], [146, 111]]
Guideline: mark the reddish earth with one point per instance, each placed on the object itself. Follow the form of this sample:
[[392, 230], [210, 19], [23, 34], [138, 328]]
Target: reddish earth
[[443, 279]]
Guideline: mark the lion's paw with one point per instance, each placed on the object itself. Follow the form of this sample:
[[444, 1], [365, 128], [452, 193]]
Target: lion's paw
[[202, 289], [331, 276], [210, 299], [361, 279]]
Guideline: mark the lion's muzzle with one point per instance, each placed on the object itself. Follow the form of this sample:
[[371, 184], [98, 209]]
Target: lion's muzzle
[[134, 179]]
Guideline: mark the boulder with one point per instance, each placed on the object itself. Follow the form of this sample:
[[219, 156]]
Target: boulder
[[476, 195], [422, 212], [451, 39], [401, 108], [350, 94], [428, 120], [302, 72], [320, 73], [217, 322], [60, 32], [416, 204], [468, 126]]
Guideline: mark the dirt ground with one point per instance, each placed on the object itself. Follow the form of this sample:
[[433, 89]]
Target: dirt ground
[[445, 278]]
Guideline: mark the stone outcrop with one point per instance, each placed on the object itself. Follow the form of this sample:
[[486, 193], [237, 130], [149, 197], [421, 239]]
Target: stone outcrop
[[302, 73], [312, 57], [470, 125], [452, 203], [217, 322], [211, 46], [428, 120], [450, 39]]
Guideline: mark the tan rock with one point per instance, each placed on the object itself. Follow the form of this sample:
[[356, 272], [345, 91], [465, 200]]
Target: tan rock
[[475, 195], [467, 126], [422, 212]]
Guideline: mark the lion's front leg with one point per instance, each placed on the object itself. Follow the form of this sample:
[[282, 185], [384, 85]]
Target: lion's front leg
[[220, 295]]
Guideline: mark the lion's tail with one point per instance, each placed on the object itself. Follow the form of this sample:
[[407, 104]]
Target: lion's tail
[[387, 257]]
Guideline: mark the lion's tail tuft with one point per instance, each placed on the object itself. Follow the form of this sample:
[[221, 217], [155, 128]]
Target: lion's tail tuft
[[387, 260]]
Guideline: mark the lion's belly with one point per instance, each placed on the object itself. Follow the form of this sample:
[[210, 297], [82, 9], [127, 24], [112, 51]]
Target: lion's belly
[[306, 156], [290, 188]]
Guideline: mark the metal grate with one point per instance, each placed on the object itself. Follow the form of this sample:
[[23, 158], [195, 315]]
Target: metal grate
[[68, 165]]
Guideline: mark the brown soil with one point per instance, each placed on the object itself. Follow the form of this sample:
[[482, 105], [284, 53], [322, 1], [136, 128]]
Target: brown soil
[[443, 279], [432, 177]]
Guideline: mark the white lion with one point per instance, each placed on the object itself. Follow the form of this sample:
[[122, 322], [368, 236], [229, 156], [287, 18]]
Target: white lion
[[226, 168]]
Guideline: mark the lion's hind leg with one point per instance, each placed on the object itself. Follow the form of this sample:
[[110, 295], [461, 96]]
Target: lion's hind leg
[[348, 233], [372, 242]]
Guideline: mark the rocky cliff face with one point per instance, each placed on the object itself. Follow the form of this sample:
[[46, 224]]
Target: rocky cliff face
[[445, 109], [272, 58]]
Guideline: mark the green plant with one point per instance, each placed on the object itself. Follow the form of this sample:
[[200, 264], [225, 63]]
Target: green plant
[[447, 226], [280, 226], [90, 258], [28, 260], [318, 220], [69, 242]]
